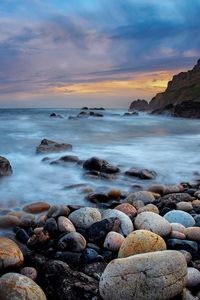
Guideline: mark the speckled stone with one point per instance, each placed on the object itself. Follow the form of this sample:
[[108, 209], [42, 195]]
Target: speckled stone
[[113, 241], [85, 217], [128, 209], [149, 207], [29, 272], [156, 275], [10, 254], [141, 241], [65, 225], [184, 206], [179, 216], [193, 277]]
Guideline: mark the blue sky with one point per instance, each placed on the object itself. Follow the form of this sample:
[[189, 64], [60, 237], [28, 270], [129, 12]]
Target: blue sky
[[107, 52]]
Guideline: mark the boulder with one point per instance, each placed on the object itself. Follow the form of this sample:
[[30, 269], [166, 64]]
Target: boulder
[[10, 254], [47, 146], [85, 217], [5, 167]]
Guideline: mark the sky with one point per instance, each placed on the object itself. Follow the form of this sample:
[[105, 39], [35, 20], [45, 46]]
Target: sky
[[72, 53]]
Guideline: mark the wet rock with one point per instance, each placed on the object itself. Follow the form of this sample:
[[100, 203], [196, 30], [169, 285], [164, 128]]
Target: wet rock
[[141, 241], [176, 244], [17, 286], [141, 173], [54, 115], [193, 277], [36, 207], [178, 216], [157, 275], [153, 222], [10, 254], [65, 160], [193, 233], [171, 189], [126, 225], [51, 227], [65, 225], [146, 197], [29, 272], [56, 211], [5, 167], [101, 165], [51, 146], [72, 241], [61, 282], [98, 231], [128, 209], [9, 221], [157, 188], [97, 197], [177, 197], [85, 217], [113, 241]]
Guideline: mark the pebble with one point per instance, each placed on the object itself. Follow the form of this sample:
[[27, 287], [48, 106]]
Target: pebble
[[179, 216], [72, 241], [193, 277], [9, 221], [65, 225], [185, 206], [177, 235], [56, 211], [146, 197], [51, 227], [193, 233], [153, 222], [157, 275], [128, 209], [37, 207], [114, 194], [10, 254], [178, 227], [149, 207], [157, 188], [17, 286], [126, 225], [29, 272], [141, 241], [113, 241], [85, 217]]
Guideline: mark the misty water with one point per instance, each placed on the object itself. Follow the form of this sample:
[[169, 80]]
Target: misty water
[[166, 145]]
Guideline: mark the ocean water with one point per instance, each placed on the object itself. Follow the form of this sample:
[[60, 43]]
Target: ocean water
[[166, 145]]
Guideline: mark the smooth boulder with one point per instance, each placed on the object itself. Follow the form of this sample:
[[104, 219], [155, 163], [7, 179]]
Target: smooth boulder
[[10, 254]]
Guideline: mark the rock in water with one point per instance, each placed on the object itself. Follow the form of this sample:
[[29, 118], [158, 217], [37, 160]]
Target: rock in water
[[10, 254], [5, 167], [156, 275], [51, 146], [16, 286]]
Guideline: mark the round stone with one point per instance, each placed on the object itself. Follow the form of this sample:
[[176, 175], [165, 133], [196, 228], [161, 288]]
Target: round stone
[[153, 222], [193, 277], [179, 216], [128, 209], [149, 207], [193, 233], [72, 241], [113, 241], [157, 188], [141, 241], [65, 225], [85, 217], [29, 272], [10, 254], [114, 194], [19, 287], [126, 225], [156, 275], [178, 227], [185, 206], [37, 207], [187, 255], [146, 197], [9, 221], [177, 235]]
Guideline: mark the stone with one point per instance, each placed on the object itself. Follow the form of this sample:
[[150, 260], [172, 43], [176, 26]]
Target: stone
[[51, 227], [37, 207], [187, 295], [178, 227], [185, 206], [146, 197], [187, 255], [47, 146], [72, 241], [85, 217], [73, 259], [29, 272], [17, 286], [177, 197], [94, 270], [128, 209], [10, 254], [149, 207], [113, 241], [179, 216], [126, 225], [9, 221], [101, 165], [114, 194], [193, 233], [177, 235], [193, 277], [65, 225], [90, 255], [157, 188], [56, 211], [38, 238], [5, 167], [177, 244], [153, 222], [157, 275], [97, 197], [171, 189], [141, 241], [21, 235], [98, 231], [141, 173]]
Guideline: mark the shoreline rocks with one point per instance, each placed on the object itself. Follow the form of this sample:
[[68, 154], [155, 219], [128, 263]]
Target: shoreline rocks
[[5, 167]]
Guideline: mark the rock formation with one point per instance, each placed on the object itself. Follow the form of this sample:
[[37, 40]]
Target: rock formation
[[139, 105]]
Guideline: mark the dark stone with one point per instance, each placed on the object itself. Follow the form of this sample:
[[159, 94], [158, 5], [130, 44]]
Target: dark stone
[[60, 282], [62, 161], [94, 270], [190, 246], [38, 239], [90, 256], [141, 173], [51, 227], [22, 235], [56, 211], [72, 241], [187, 109], [107, 255], [52, 115], [195, 264], [96, 164], [51, 146], [176, 197], [5, 167], [140, 105], [97, 197], [71, 258]]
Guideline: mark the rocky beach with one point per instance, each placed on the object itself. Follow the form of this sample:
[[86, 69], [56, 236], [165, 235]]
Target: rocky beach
[[119, 226]]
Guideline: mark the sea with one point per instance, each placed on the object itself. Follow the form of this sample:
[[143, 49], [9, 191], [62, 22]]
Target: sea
[[169, 146]]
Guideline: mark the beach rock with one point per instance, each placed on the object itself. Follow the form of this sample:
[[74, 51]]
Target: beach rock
[[158, 275], [94, 270], [85, 217], [21, 235], [72, 241], [98, 231], [185, 206], [141, 241], [153, 222], [51, 146], [177, 197], [97, 164], [113, 241], [5, 167], [128, 209], [171, 189], [65, 160], [38, 238], [10, 254], [90, 255], [141, 173], [177, 235], [126, 225], [138, 204], [56, 211], [193, 233], [37, 207], [157, 188], [114, 194], [146, 197], [193, 277], [29, 272], [179, 216], [149, 208], [9, 221], [61, 282], [97, 197], [51, 227], [73, 259], [17, 286], [65, 225], [176, 244], [178, 227]]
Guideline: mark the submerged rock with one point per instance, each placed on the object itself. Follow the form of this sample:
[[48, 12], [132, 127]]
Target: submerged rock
[[85, 217], [51, 146], [5, 167]]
